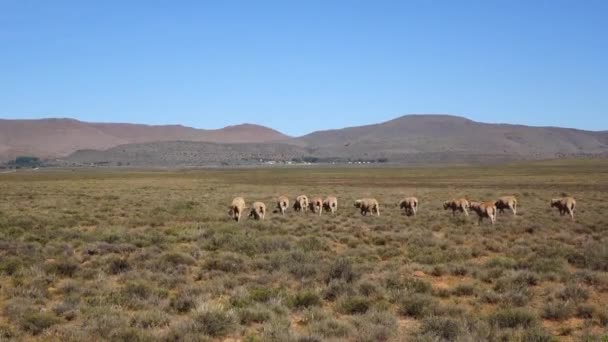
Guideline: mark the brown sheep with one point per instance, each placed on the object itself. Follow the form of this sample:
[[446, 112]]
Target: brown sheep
[[316, 205], [330, 204], [461, 205], [236, 208], [507, 202], [282, 204], [258, 211], [301, 203], [484, 209], [410, 205], [368, 205], [564, 205]]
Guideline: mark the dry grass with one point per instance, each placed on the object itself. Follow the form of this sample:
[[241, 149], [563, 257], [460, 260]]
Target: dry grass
[[153, 255]]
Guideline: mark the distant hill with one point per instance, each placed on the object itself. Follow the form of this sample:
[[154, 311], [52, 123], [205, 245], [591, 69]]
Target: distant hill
[[49, 138], [453, 136], [407, 139]]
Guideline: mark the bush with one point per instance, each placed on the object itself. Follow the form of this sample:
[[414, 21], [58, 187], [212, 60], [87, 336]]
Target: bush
[[375, 326], [342, 269], [354, 305], [445, 328], [305, 299], [257, 314], [513, 318], [214, 322], [66, 268], [557, 310], [37, 322], [118, 265], [416, 305], [335, 288], [150, 319], [464, 290], [330, 328], [573, 292], [229, 263], [183, 303], [9, 265]]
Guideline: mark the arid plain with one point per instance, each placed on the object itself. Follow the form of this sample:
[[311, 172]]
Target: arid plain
[[129, 255]]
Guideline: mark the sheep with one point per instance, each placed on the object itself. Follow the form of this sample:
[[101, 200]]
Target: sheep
[[330, 204], [368, 205], [282, 204], [258, 211], [316, 205], [301, 204], [507, 202], [236, 208], [410, 205], [564, 204], [461, 205], [484, 209]]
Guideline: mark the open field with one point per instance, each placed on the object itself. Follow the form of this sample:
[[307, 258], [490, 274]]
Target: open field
[[152, 255]]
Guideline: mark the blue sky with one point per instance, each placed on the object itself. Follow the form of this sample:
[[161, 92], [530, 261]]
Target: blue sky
[[304, 65]]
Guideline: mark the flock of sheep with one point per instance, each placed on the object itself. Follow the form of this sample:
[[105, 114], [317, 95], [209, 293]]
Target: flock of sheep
[[410, 205]]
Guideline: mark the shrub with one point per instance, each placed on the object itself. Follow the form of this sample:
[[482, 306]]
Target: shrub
[[229, 263], [172, 259], [305, 299], [557, 310], [354, 305], [9, 265], [331, 328], [37, 322], [335, 288], [257, 314], [444, 328], [183, 303], [214, 322], [416, 305], [342, 269], [513, 318], [66, 268], [118, 265], [150, 319], [375, 326], [573, 292], [464, 290]]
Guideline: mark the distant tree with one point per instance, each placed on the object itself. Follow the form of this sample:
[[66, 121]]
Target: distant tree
[[25, 162]]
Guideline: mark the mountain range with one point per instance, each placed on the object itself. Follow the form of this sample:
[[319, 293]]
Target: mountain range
[[407, 139]]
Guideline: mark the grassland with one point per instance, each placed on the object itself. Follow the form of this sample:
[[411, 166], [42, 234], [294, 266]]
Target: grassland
[[152, 255]]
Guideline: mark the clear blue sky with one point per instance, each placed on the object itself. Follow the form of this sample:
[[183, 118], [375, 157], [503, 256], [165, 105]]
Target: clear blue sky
[[304, 65]]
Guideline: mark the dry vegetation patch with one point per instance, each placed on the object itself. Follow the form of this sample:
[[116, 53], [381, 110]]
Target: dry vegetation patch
[[151, 255]]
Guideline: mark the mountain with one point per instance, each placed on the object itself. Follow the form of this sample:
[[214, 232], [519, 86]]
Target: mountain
[[407, 139], [415, 135], [50, 138]]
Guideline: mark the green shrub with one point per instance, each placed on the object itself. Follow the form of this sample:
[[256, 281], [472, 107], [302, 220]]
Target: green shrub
[[257, 314], [37, 322], [183, 303], [214, 322], [9, 265], [331, 328], [354, 305], [305, 299], [513, 318], [464, 290], [416, 305], [342, 269], [150, 319], [557, 310], [445, 328], [375, 326]]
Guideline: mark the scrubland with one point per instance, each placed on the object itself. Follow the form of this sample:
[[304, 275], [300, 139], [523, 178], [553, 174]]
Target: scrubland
[[145, 255]]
